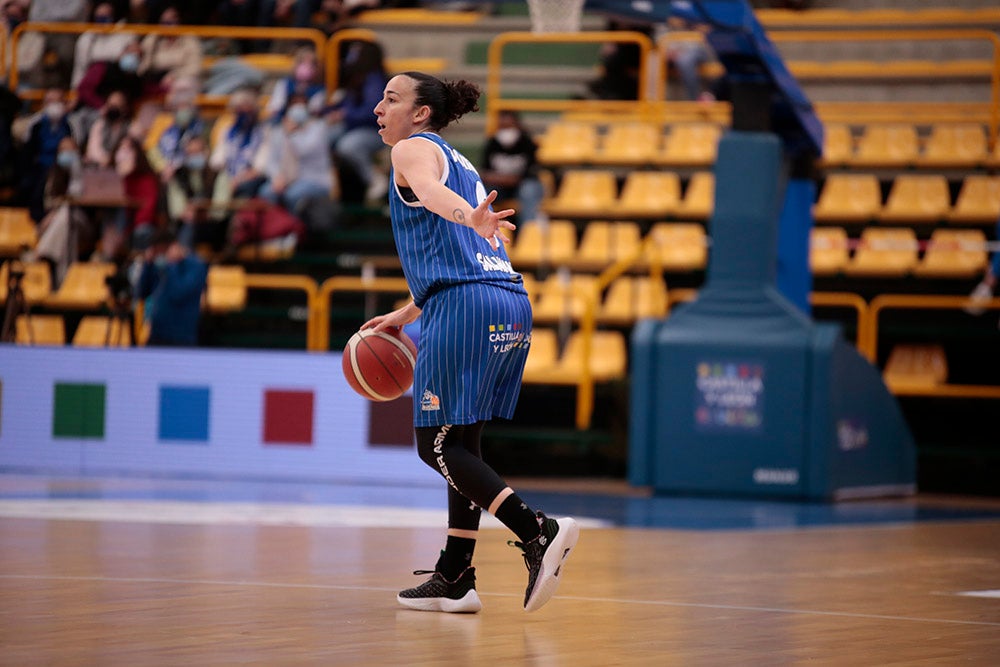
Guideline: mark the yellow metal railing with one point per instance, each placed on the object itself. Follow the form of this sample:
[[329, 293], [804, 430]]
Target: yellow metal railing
[[291, 283], [844, 300], [316, 37], [496, 102], [321, 306], [588, 321]]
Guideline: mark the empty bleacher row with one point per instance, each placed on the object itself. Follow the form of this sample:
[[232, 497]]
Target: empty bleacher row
[[638, 143]]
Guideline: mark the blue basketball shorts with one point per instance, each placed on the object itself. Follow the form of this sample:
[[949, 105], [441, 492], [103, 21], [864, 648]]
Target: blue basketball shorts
[[474, 340]]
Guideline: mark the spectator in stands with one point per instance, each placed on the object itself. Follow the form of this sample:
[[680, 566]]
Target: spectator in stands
[[354, 137], [136, 219], [510, 166], [65, 228], [687, 56], [296, 159], [194, 213], [331, 16], [304, 81], [168, 58], [233, 155], [46, 60], [619, 69], [41, 148], [101, 80], [170, 150], [93, 47], [108, 130], [171, 282]]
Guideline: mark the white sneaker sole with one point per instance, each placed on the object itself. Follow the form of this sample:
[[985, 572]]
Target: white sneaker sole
[[467, 604], [552, 562]]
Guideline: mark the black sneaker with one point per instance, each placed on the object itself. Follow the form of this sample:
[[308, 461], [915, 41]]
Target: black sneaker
[[439, 594], [544, 557]]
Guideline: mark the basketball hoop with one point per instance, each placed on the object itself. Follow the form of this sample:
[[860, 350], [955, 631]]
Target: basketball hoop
[[555, 15]]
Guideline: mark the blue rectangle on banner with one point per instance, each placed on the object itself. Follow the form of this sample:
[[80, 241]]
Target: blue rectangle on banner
[[184, 413]]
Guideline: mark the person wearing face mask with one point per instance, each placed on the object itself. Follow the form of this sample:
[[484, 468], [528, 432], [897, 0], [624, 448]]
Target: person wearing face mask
[[233, 157], [168, 153], [94, 47], [40, 149], [304, 82], [194, 207], [107, 131], [296, 159], [510, 166], [167, 58], [138, 219]]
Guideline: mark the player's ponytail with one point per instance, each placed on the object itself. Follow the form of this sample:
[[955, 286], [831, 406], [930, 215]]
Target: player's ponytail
[[448, 100]]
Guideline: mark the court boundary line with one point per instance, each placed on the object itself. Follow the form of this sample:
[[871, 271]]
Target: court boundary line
[[659, 603]]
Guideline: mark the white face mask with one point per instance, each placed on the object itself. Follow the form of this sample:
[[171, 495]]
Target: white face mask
[[507, 136], [55, 110]]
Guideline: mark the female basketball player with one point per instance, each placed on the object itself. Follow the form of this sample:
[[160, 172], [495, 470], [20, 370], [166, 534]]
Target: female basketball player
[[474, 337]]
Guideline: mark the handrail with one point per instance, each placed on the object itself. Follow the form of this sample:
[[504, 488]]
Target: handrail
[[773, 19], [206, 31], [588, 320], [847, 300], [928, 302], [321, 306], [332, 66], [290, 282], [495, 63]]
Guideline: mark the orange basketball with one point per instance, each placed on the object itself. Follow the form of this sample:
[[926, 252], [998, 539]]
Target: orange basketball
[[379, 366]]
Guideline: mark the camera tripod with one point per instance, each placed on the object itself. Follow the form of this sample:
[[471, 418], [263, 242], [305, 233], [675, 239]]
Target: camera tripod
[[15, 304]]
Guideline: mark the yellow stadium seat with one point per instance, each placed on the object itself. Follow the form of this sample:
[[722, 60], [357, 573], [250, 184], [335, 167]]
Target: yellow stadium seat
[[544, 243], [691, 145], [604, 243], [40, 330], [887, 145], [915, 367], [568, 142], [17, 232], [954, 253], [888, 252], [584, 193], [36, 284], [608, 358], [84, 286], [699, 197], [954, 145], [632, 143], [648, 194], [838, 145], [993, 159], [978, 201], [100, 331], [849, 198], [225, 289], [543, 355], [632, 298], [923, 199], [564, 297], [680, 246], [828, 250]]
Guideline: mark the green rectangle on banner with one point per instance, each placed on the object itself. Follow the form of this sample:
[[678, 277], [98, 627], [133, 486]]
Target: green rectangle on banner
[[78, 410]]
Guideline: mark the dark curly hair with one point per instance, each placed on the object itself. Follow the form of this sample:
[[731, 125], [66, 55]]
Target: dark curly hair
[[448, 100]]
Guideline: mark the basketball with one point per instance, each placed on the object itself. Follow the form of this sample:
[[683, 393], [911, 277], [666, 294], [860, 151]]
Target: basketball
[[379, 365]]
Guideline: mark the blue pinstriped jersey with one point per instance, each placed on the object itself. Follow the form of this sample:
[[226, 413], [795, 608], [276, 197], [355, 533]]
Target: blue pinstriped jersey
[[435, 252]]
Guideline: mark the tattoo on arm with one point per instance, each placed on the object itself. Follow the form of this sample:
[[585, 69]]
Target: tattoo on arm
[[459, 216]]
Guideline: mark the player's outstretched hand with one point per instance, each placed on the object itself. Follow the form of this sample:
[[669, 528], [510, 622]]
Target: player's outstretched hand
[[397, 318], [488, 223]]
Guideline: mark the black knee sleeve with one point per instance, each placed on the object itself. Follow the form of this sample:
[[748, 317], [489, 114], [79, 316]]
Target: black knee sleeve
[[453, 451]]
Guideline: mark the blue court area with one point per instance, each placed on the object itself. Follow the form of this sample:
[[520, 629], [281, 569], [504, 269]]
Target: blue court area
[[600, 502]]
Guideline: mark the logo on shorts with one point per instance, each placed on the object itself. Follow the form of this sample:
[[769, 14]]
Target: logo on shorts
[[506, 336], [429, 402]]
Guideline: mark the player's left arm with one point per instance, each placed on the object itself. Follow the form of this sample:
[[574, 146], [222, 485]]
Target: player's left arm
[[418, 165]]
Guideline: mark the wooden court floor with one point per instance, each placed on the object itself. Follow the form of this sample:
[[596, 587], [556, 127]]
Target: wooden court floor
[[129, 592]]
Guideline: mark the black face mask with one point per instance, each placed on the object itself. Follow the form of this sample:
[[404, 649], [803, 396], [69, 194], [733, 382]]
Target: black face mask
[[114, 113]]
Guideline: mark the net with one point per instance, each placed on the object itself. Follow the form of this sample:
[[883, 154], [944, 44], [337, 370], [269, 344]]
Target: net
[[555, 15]]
